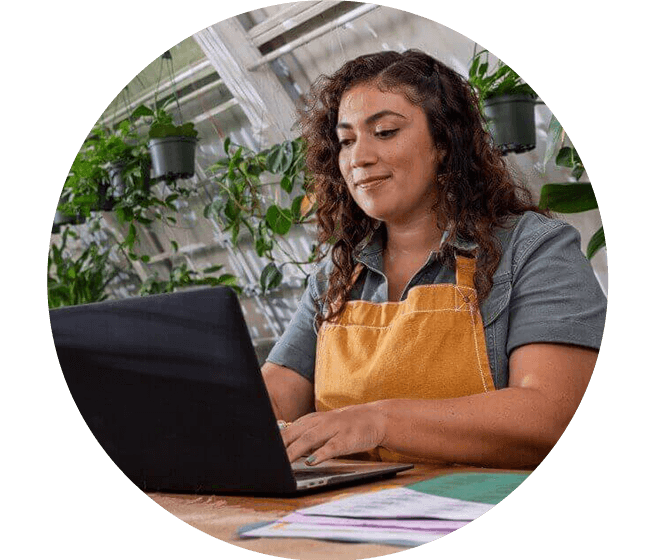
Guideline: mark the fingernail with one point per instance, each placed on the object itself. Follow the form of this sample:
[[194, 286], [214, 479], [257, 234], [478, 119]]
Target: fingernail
[[311, 459]]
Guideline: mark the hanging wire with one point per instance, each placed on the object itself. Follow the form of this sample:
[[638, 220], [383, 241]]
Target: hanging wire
[[160, 74], [170, 66], [166, 58]]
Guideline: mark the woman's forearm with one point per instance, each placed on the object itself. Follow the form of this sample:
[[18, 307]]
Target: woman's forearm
[[513, 427], [291, 395]]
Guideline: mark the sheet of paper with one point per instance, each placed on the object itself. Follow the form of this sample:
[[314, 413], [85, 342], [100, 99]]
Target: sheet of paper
[[396, 537], [415, 524], [400, 503]]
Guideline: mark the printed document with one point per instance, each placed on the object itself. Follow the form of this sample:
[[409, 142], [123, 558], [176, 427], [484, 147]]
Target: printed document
[[400, 503]]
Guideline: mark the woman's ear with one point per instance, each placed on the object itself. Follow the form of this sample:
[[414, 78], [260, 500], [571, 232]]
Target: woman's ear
[[440, 159]]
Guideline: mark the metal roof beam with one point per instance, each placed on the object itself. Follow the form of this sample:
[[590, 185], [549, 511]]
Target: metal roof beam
[[268, 107]]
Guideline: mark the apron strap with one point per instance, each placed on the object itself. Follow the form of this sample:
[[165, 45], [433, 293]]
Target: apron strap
[[465, 270], [354, 277]]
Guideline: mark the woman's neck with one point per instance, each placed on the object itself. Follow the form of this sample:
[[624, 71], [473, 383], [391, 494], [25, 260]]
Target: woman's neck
[[419, 237]]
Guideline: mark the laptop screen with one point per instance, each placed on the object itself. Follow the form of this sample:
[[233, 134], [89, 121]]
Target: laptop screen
[[170, 387]]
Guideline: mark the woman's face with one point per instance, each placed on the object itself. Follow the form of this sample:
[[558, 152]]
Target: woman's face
[[387, 155]]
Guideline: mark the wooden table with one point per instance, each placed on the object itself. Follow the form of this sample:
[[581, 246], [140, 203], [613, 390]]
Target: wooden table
[[221, 516]]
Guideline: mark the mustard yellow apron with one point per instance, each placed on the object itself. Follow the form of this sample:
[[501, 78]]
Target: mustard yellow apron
[[429, 346]]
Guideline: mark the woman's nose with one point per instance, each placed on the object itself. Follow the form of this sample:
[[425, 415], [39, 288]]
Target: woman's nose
[[363, 153]]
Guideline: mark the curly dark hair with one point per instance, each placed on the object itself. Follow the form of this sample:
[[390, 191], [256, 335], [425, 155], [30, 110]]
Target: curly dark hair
[[477, 192]]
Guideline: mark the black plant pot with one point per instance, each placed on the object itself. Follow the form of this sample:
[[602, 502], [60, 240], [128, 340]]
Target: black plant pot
[[117, 186], [511, 121], [106, 198], [61, 219], [173, 157]]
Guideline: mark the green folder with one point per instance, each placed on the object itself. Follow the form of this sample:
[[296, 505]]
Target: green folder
[[487, 488]]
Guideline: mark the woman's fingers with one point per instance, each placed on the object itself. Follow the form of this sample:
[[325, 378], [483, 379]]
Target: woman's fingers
[[327, 451], [324, 435], [305, 439]]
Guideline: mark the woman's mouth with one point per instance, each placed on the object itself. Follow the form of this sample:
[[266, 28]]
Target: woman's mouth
[[371, 183]]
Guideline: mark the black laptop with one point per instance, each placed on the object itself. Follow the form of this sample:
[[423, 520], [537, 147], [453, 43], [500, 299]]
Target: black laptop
[[170, 386]]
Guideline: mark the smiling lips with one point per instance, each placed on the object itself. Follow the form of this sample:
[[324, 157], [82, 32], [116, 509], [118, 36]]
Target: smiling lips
[[371, 182]]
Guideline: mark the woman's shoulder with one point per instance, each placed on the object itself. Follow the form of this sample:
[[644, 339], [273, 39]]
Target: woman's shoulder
[[318, 279], [522, 235], [529, 227]]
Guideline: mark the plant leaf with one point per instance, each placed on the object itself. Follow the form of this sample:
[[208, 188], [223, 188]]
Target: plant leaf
[[211, 269], [279, 219], [280, 157], [286, 184], [597, 241], [142, 111], [270, 278], [296, 207], [262, 246], [130, 237], [553, 138], [567, 198], [567, 157], [163, 130], [187, 129]]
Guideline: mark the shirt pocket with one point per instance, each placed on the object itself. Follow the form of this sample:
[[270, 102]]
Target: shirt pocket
[[495, 318]]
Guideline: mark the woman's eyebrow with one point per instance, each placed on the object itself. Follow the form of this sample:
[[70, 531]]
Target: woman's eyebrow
[[372, 118]]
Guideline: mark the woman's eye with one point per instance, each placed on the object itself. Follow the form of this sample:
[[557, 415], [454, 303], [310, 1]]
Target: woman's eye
[[386, 133], [344, 142]]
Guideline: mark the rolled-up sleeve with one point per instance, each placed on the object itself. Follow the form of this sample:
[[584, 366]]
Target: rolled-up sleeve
[[555, 294], [297, 347]]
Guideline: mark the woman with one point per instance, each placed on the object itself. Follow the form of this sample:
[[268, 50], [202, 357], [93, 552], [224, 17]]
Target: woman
[[453, 322]]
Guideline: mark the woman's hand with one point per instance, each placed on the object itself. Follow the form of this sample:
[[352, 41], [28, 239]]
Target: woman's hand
[[324, 435]]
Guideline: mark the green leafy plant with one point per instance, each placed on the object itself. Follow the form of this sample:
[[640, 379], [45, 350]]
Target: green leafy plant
[[183, 277], [124, 152], [89, 187], [502, 80], [114, 171], [506, 102], [88, 184], [83, 279], [171, 147], [263, 194], [572, 196], [161, 122]]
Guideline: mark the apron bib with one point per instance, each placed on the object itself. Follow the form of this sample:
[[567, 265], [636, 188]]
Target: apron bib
[[429, 346]]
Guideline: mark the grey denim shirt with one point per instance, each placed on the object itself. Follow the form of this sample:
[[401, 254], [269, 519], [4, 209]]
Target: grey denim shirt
[[544, 290]]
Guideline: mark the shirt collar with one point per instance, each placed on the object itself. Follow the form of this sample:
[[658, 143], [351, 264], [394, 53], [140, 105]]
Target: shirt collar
[[370, 249]]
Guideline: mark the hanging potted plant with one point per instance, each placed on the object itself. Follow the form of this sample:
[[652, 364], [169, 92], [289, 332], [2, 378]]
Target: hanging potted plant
[[109, 164], [123, 156], [62, 218], [507, 102], [172, 147]]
